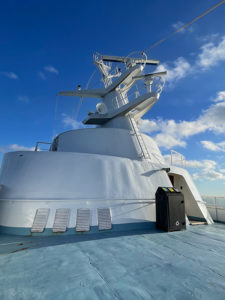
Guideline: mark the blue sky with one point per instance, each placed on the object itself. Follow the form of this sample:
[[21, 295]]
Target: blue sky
[[48, 46]]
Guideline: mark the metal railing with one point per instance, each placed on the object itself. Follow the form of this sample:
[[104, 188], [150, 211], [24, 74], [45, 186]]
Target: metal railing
[[216, 207], [37, 148], [119, 101], [136, 91], [177, 158]]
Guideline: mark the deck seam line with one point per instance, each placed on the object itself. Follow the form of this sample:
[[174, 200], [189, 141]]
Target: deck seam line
[[98, 272]]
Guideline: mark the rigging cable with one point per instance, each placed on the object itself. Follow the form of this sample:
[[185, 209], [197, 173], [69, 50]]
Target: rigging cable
[[184, 26]]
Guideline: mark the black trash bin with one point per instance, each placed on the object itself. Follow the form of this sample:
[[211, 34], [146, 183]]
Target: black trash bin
[[170, 209]]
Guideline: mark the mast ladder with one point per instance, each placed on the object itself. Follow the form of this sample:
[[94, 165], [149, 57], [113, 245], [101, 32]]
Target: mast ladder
[[144, 151]]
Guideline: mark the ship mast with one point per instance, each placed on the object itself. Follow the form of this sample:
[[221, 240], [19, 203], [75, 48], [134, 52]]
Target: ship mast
[[115, 110], [114, 101]]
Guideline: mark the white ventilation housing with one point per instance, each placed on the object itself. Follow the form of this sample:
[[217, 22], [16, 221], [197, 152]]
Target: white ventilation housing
[[61, 219], [104, 219], [83, 219], [40, 220]]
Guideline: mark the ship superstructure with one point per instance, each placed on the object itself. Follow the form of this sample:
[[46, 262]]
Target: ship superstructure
[[102, 178]]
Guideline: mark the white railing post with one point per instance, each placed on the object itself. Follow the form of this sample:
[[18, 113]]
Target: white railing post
[[216, 209]]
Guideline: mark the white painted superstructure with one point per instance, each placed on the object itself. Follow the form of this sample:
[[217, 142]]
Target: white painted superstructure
[[112, 169]]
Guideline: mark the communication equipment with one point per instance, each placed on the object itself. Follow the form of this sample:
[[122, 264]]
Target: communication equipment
[[101, 108]]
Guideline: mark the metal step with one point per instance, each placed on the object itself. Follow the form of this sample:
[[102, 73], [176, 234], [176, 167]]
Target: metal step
[[61, 220], [83, 219], [104, 219], [193, 223], [40, 220], [141, 142]]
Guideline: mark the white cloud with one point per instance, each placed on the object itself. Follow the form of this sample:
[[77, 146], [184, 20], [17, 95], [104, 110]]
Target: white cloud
[[211, 54], [214, 146], [69, 122], [42, 75], [51, 69], [176, 70], [168, 141], [24, 99], [209, 174], [220, 96], [169, 133], [10, 75], [148, 125], [204, 164], [213, 118], [208, 38], [15, 147]]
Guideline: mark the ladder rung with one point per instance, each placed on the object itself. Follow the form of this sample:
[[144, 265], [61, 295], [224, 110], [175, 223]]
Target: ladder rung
[[143, 147]]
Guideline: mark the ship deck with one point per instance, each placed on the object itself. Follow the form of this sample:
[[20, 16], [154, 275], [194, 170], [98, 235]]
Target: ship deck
[[127, 265]]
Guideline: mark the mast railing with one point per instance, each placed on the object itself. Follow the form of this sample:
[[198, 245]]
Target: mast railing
[[37, 148], [216, 207], [124, 97], [177, 158]]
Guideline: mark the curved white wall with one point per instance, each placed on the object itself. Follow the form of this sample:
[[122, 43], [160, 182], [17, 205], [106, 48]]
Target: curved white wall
[[63, 175], [33, 180], [106, 141], [153, 150], [194, 205]]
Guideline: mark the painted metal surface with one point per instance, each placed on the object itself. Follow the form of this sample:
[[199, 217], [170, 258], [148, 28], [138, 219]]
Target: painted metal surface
[[77, 180], [134, 265], [194, 204], [103, 141]]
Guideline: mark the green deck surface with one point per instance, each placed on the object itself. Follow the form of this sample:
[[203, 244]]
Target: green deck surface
[[121, 265]]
